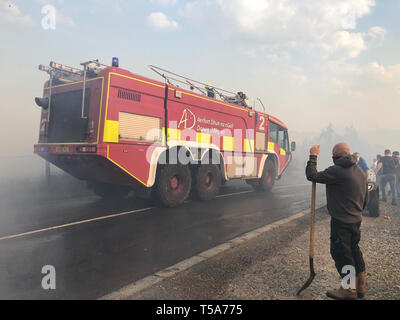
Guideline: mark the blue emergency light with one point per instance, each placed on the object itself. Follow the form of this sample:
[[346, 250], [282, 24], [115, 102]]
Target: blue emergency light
[[115, 62]]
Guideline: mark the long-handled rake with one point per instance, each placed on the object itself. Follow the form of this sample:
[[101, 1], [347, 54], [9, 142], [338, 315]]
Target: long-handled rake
[[312, 272]]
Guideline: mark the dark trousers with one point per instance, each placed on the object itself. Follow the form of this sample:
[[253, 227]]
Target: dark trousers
[[391, 179], [344, 245]]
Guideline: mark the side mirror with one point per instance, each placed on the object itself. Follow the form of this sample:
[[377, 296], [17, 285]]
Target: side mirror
[[42, 102], [293, 146]]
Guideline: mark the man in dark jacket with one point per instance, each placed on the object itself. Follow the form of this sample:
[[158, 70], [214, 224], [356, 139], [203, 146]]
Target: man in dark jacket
[[347, 196], [388, 166], [396, 158]]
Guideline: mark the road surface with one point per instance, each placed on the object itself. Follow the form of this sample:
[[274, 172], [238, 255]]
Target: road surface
[[97, 247]]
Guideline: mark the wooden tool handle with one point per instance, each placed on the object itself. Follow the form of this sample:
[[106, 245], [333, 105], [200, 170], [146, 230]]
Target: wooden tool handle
[[313, 196]]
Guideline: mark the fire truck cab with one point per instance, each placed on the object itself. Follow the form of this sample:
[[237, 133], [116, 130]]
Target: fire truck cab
[[121, 131]]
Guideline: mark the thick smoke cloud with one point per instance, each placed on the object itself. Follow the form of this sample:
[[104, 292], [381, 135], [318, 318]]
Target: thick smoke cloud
[[327, 139]]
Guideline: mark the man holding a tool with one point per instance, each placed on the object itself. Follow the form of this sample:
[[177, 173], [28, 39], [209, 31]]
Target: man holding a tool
[[347, 196]]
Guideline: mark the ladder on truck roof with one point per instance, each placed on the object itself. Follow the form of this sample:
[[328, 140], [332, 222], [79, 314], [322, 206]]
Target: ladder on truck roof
[[238, 98], [65, 74], [60, 73]]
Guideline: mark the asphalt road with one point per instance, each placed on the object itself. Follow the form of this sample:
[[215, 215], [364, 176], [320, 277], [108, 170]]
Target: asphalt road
[[97, 247]]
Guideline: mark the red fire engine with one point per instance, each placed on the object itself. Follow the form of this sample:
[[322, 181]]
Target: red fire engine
[[121, 131]]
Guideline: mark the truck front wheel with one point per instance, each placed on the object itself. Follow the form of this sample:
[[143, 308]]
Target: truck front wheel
[[267, 180], [173, 185], [207, 181]]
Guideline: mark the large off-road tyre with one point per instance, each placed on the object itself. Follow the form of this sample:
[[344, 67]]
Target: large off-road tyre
[[207, 181], [109, 191], [373, 203], [173, 184], [267, 180]]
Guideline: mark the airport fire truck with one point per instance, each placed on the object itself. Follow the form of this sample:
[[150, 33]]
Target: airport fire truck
[[120, 132]]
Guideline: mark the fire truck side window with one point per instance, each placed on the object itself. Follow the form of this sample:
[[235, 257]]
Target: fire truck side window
[[283, 141], [287, 148], [273, 132]]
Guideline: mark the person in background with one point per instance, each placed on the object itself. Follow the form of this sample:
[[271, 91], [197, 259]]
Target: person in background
[[361, 161], [388, 167], [347, 197], [396, 157], [376, 161], [210, 91], [375, 166]]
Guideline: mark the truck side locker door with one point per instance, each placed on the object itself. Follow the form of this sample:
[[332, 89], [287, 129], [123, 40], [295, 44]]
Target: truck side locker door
[[260, 137], [260, 133]]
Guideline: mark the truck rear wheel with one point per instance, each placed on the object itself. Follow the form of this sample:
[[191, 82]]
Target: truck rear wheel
[[267, 180], [207, 181], [173, 184]]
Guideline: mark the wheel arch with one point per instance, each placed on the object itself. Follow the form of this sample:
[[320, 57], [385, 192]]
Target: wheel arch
[[160, 153], [269, 157], [221, 163]]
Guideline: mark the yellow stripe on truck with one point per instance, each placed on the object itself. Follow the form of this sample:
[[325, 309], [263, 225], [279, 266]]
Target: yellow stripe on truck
[[173, 134], [248, 145], [203, 137], [271, 146], [228, 143], [111, 131]]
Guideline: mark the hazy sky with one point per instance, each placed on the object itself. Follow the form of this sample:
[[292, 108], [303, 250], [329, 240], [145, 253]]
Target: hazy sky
[[313, 62]]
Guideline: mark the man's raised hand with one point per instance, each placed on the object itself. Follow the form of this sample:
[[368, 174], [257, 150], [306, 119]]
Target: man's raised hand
[[314, 151]]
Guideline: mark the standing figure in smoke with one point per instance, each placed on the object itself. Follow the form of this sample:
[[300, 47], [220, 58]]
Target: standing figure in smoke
[[347, 196]]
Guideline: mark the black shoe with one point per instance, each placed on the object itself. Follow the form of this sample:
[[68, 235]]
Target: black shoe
[[384, 200], [394, 203]]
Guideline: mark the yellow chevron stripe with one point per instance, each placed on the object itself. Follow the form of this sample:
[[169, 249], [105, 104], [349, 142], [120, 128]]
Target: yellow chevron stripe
[[228, 143], [122, 168]]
